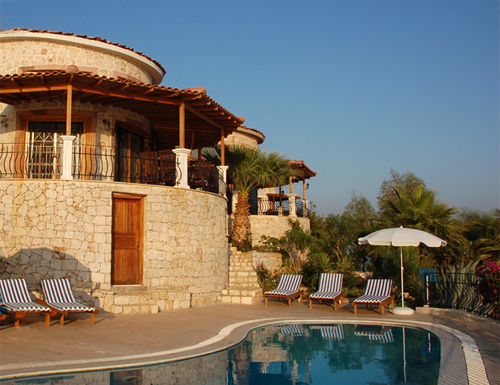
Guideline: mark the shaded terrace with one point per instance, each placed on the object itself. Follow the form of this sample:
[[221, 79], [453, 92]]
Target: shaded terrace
[[180, 121]]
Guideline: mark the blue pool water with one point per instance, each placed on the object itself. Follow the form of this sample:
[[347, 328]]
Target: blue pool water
[[293, 354]]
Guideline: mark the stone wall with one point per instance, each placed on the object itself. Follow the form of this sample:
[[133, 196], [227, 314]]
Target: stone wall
[[53, 228], [273, 226], [25, 53]]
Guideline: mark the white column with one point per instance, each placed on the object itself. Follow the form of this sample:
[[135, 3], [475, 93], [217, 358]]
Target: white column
[[181, 161], [292, 207], [67, 158], [223, 178]]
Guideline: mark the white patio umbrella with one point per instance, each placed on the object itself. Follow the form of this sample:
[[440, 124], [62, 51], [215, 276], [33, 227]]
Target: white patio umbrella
[[401, 236]]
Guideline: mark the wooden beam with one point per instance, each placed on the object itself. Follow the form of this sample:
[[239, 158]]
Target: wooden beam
[[204, 117], [182, 125], [12, 90], [69, 103]]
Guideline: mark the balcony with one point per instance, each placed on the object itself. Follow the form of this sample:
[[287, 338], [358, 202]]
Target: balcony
[[107, 163], [273, 204]]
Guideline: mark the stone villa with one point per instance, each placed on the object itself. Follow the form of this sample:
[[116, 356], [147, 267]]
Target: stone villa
[[101, 178]]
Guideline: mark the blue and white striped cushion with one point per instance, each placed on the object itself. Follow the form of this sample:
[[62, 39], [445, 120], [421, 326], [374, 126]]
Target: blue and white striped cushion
[[385, 338], [330, 332], [16, 297], [330, 286], [58, 294], [288, 284], [293, 329], [376, 291]]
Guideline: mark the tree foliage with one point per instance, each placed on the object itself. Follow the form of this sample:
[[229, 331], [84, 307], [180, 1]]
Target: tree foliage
[[248, 169]]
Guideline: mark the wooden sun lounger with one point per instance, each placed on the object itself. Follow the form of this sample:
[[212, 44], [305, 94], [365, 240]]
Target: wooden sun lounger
[[288, 287], [329, 289], [377, 292], [17, 302], [59, 297]]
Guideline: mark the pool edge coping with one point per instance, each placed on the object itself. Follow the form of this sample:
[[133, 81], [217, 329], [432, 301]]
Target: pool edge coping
[[474, 365]]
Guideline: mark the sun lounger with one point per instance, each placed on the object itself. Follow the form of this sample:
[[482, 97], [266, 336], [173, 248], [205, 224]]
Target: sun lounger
[[377, 292], [329, 289], [288, 287], [17, 302], [59, 297]]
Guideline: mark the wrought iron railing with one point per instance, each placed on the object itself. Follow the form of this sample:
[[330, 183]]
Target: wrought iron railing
[[206, 177], [105, 163], [30, 161], [263, 206], [457, 291]]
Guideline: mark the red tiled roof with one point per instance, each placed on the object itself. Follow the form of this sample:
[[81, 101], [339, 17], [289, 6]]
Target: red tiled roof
[[100, 39], [158, 103], [306, 171], [253, 129]]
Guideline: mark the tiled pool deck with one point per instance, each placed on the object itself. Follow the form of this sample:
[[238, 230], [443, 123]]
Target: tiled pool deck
[[470, 344]]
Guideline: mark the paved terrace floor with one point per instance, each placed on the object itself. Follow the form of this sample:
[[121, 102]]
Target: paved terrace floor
[[120, 340]]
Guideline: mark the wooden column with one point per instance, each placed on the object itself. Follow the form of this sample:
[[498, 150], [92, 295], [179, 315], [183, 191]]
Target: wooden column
[[222, 149], [304, 189], [182, 125], [291, 185], [69, 104]]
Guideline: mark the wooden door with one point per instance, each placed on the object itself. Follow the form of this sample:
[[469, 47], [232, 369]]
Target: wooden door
[[126, 264]]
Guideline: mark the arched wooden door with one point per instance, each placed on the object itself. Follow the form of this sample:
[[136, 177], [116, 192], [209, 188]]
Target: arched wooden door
[[126, 263]]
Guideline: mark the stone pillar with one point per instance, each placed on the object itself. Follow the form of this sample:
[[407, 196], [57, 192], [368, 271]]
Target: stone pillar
[[67, 158], [181, 160], [292, 207], [223, 178]]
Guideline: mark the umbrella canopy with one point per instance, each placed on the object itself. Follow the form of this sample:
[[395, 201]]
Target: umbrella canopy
[[400, 236]]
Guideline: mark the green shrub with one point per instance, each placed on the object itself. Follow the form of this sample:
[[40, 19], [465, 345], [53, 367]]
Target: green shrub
[[267, 280]]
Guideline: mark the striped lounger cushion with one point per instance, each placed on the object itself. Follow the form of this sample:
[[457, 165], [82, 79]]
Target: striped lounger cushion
[[58, 294], [16, 297], [330, 332], [376, 291], [288, 284], [330, 286], [385, 338]]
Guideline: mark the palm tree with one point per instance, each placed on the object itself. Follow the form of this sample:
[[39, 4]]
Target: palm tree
[[248, 169]]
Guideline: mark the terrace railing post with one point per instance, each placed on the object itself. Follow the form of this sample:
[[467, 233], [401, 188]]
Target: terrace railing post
[[67, 158], [223, 179], [181, 159], [292, 206], [305, 208]]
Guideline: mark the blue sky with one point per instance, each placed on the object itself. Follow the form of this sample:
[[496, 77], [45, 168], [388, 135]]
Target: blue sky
[[354, 88]]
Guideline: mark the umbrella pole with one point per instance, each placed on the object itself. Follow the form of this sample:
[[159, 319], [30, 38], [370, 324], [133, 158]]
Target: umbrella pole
[[402, 282]]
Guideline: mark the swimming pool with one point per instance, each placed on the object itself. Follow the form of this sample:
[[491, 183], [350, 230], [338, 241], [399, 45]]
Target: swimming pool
[[292, 354]]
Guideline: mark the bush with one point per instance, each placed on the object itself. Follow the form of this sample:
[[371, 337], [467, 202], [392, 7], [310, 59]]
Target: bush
[[267, 280]]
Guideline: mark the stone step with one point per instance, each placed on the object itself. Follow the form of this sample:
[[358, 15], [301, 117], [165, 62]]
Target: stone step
[[250, 291], [241, 268], [243, 283], [239, 273], [240, 300]]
